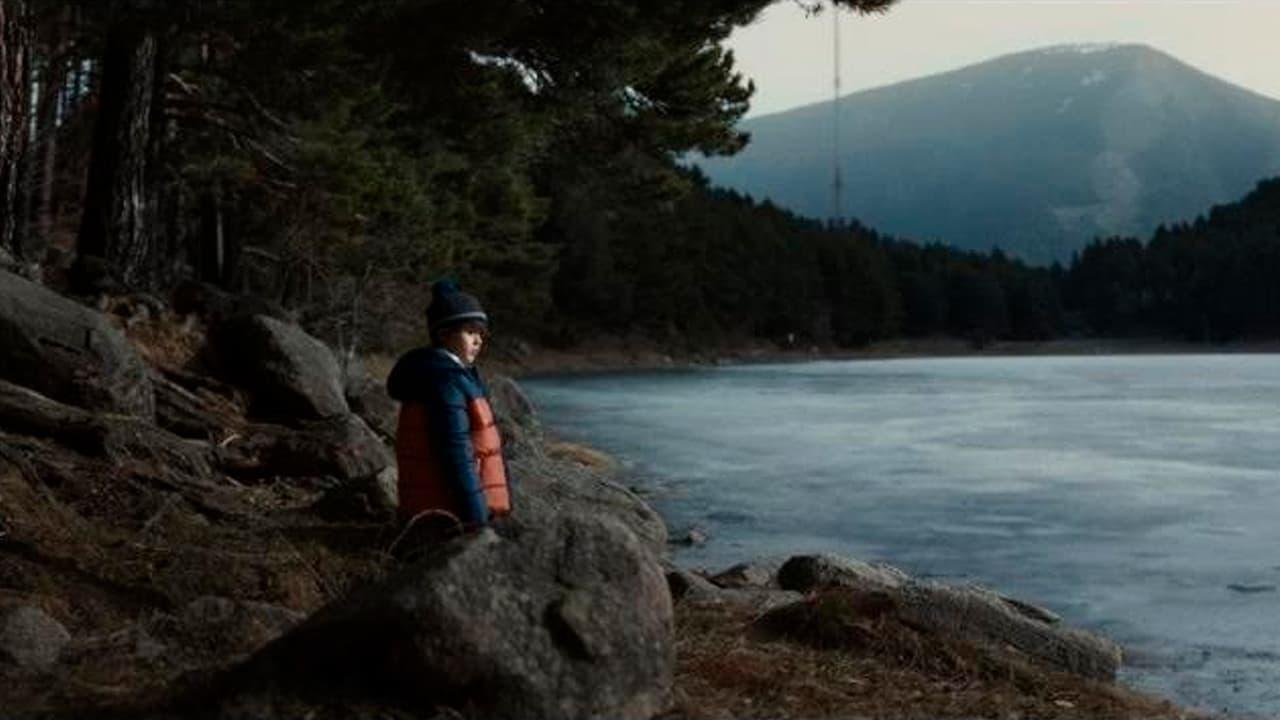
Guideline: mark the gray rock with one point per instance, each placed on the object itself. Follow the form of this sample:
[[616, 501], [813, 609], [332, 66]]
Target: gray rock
[[691, 537], [69, 352], [30, 638], [371, 498], [545, 491], [509, 398], [691, 585], [754, 574], [571, 620], [290, 374], [973, 614], [342, 447], [368, 398], [985, 618], [517, 420], [805, 573], [758, 599]]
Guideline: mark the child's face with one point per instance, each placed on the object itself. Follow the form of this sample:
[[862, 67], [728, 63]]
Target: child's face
[[466, 341]]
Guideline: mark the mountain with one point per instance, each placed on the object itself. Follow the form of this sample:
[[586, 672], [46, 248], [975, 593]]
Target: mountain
[[1036, 153]]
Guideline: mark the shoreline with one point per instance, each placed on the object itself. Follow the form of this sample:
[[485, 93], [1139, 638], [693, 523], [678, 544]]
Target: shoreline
[[614, 355]]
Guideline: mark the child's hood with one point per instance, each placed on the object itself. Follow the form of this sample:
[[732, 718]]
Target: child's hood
[[418, 373]]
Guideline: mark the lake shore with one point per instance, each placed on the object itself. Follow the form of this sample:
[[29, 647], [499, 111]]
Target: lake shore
[[613, 354]]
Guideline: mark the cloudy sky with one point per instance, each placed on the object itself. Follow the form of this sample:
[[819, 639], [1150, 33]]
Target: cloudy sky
[[790, 56]]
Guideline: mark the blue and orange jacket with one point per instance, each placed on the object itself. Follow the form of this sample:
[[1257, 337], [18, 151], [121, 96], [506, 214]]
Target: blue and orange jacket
[[447, 444]]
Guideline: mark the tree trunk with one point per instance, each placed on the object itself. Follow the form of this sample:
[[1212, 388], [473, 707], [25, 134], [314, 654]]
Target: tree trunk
[[117, 227], [53, 90], [14, 56]]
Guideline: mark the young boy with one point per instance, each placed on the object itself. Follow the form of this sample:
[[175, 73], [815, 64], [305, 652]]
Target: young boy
[[453, 477]]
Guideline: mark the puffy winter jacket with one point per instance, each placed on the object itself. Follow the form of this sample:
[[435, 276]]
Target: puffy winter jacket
[[447, 443]]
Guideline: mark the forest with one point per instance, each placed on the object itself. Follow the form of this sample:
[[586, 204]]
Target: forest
[[336, 157]]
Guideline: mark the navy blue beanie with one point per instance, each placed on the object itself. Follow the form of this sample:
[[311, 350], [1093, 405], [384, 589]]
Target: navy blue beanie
[[450, 306]]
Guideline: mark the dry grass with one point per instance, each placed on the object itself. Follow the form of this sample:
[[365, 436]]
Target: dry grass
[[728, 668], [165, 340], [378, 365]]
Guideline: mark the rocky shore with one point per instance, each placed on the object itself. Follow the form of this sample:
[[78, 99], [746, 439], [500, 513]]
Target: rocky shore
[[196, 502]]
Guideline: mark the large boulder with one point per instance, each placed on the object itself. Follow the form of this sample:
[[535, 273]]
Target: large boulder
[[572, 620], [546, 489], [69, 352], [517, 420], [290, 374]]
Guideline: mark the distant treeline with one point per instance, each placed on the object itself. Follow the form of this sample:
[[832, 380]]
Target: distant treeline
[[715, 264], [1212, 280]]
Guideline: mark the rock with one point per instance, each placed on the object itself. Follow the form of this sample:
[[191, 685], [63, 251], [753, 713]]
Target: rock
[[685, 583], [545, 491], [757, 599], [69, 352], [571, 620], [973, 614], [342, 447], [508, 397], [687, 586], [368, 398], [290, 374], [119, 439], [754, 574], [805, 573], [1035, 612], [371, 498], [985, 618], [691, 537], [29, 638], [517, 420]]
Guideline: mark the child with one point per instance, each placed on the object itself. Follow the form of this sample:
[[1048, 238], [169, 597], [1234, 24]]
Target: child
[[453, 476]]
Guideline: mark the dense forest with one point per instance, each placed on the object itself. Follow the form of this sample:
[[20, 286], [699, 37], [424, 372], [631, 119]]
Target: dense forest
[[337, 156]]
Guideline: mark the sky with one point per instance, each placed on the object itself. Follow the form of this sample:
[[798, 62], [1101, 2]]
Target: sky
[[790, 56]]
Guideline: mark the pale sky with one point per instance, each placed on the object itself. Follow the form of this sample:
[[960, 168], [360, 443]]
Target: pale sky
[[790, 56]]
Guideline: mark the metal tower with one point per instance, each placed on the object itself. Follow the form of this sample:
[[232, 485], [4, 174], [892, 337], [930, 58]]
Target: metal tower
[[837, 182]]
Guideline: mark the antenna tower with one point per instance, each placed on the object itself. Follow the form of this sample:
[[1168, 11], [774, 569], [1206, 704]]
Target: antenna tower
[[837, 182]]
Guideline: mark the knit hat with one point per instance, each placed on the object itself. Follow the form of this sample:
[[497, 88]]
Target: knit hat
[[450, 306]]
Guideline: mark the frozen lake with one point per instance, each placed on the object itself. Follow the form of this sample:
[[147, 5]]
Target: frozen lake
[[1138, 495]]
